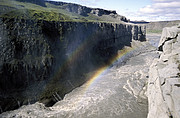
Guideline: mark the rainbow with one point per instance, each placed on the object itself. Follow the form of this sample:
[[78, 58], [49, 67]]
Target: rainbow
[[73, 56], [94, 77], [102, 70]]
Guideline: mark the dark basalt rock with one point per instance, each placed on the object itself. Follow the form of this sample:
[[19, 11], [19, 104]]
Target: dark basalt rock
[[44, 60], [84, 11]]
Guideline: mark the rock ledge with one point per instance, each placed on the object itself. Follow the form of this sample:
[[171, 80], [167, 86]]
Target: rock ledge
[[164, 81]]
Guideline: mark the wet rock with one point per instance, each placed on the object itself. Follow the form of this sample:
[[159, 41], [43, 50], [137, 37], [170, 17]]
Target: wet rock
[[106, 96], [40, 58]]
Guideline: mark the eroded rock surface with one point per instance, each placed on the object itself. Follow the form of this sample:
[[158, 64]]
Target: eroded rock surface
[[85, 11], [119, 92], [43, 59], [164, 81]]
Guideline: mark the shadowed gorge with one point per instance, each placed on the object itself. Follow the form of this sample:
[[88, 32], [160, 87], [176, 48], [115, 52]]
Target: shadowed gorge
[[46, 54], [65, 60]]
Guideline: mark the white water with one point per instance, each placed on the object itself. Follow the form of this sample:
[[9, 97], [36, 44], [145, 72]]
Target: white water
[[118, 93]]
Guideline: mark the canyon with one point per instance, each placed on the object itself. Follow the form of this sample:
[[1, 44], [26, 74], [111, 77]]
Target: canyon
[[65, 60], [44, 59], [163, 88]]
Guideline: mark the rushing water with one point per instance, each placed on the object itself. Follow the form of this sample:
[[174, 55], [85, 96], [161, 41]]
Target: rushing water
[[117, 93]]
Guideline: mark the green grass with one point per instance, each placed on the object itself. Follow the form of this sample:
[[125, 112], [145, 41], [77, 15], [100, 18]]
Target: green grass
[[31, 11], [24, 10], [35, 15], [154, 31]]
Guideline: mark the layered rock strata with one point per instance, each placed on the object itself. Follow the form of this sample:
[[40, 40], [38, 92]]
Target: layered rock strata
[[85, 11], [43, 60], [164, 80], [105, 97]]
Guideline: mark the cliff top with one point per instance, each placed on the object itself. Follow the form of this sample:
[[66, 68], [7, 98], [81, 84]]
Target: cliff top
[[167, 34], [56, 11]]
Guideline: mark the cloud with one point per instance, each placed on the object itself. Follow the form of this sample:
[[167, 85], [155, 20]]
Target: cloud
[[163, 0], [88, 2], [167, 5], [161, 10]]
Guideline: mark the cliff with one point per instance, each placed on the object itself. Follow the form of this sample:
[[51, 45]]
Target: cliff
[[45, 54], [156, 26], [97, 13], [164, 80], [55, 11], [40, 59]]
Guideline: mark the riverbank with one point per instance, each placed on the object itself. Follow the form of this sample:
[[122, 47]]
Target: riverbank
[[120, 91]]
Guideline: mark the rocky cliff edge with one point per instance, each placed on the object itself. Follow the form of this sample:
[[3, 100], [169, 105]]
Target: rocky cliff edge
[[164, 80]]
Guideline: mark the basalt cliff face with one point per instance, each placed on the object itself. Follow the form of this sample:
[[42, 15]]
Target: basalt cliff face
[[164, 81], [42, 60], [85, 11]]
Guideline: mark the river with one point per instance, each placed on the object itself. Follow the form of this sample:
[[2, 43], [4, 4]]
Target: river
[[119, 92]]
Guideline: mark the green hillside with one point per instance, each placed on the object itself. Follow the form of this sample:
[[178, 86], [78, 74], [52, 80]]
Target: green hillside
[[49, 12]]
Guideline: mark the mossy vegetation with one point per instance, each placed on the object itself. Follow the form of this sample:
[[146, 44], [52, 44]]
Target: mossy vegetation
[[35, 15], [39, 64], [22, 10], [49, 12]]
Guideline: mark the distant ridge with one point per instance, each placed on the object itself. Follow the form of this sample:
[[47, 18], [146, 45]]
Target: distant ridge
[[139, 22], [55, 11], [157, 26], [85, 11], [38, 2]]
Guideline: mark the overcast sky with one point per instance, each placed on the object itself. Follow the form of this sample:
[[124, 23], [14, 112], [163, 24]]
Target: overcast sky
[[149, 10]]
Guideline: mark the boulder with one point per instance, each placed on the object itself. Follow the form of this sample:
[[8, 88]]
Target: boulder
[[164, 81]]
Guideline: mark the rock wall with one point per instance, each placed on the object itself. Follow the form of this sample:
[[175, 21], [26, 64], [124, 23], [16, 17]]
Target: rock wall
[[85, 11], [44, 60], [164, 80]]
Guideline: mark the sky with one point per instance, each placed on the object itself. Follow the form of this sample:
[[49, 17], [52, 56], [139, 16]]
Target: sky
[[148, 10]]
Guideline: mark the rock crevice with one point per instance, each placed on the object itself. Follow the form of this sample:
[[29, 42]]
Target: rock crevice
[[164, 93]]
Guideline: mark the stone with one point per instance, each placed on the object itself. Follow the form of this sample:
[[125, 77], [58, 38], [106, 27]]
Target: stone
[[42, 60], [164, 81], [85, 11], [168, 34]]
